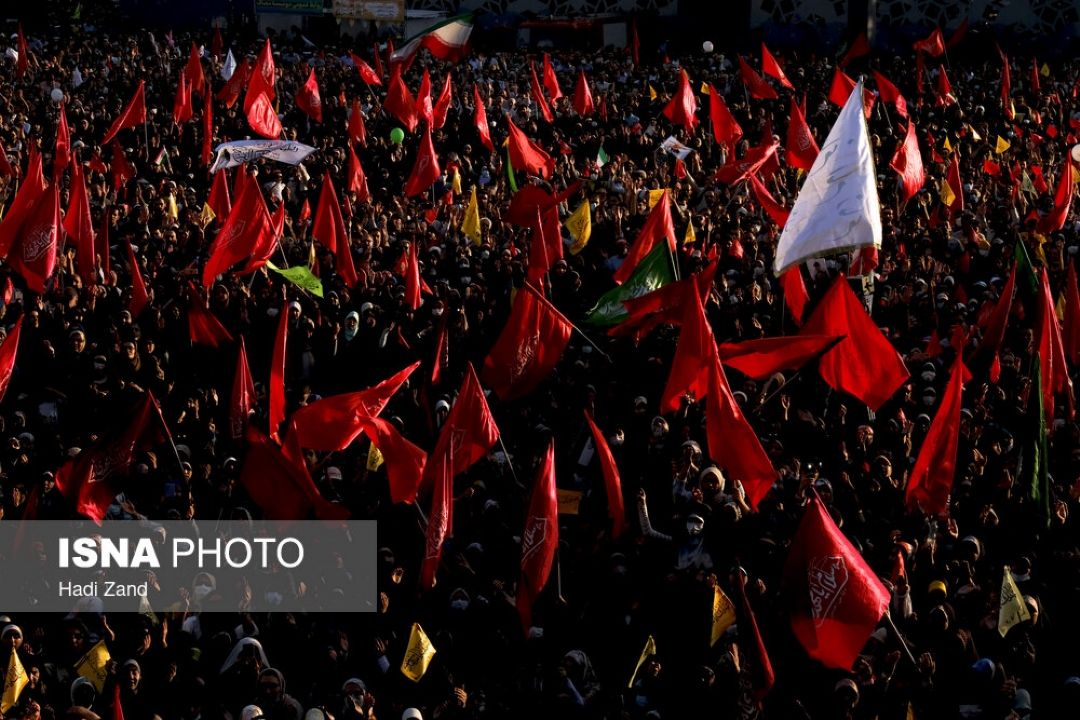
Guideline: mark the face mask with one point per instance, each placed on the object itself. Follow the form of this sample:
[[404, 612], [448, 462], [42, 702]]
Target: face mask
[[694, 529], [928, 400], [273, 598], [459, 605], [437, 312], [201, 591]]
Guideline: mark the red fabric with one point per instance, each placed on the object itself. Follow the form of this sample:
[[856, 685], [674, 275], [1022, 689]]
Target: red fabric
[[531, 198], [31, 189], [952, 177], [583, 100], [933, 44], [801, 150], [263, 77], [944, 89], [761, 669], [666, 305], [206, 151], [425, 170], [203, 326], [1006, 85], [133, 113], [777, 212], [958, 35], [277, 375], [442, 105], [635, 43], [219, 200], [194, 69], [1055, 219], [89, 480], [907, 162], [440, 525], [480, 120], [612, 482], [217, 44], [737, 170], [795, 295], [405, 462], [369, 76], [658, 226], [860, 47], [527, 155], [242, 399], [5, 165], [424, 108], [23, 63], [835, 599], [931, 479], [262, 118], [763, 358], [770, 67], [1055, 375], [356, 129], [755, 84], [551, 82], [725, 128], [531, 343], [682, 108], [864, 364], [8, 350], [539, 538], [1036, 86], [247, 228], [230, 92], [997, 321], [182, 109], [122, 170], [101, 245], [538, 95], [540, 260], [377, 58], [62, 150], [357, 180], [280, 484], [308, 98], [1071, 333], [890, 94], [329, 229], [34, 255], [412, 279], [79, 226], [933, 346], [399, 101], [841, 88], [689, 374]]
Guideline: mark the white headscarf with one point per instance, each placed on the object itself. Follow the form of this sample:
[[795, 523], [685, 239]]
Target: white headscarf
[[239, 647]]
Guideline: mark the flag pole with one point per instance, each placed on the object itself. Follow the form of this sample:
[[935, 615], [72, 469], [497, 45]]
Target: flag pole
[[903, 642], [594, 345]]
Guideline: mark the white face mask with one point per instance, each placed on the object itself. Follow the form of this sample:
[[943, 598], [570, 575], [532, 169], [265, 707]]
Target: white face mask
[[201, 591], [437, 312], [694, 528], [459, 605]]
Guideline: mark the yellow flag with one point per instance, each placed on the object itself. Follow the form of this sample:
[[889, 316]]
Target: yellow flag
[[374, 458], [171, 210], [569, 501], [418, 655], [1059, 308], [1045, 70], [654, 197], [690, 235], [648, 652], [723, 614], [580, 226], [1075, 173], [947, 194], [207, 215], [652, 92], [455, 183], [14, 682], [974, 134], [947, 145], [1040, 241], [1011, 607], [92, 665], [1002, 145], [470, 225], [1026, 185], [704, 88]]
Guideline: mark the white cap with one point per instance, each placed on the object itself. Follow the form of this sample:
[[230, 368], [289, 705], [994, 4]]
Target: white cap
[[412, 714]]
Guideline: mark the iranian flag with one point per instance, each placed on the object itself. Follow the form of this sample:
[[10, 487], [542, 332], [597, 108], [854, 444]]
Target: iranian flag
[[447, 40]]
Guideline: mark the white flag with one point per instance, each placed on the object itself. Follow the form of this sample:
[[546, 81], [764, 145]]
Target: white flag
[[229, 67], [231, 154], [837, 209]]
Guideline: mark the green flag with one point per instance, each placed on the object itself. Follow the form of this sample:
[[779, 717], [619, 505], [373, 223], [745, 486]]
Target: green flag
[[1034, 457], [1025, 271], [602, 157], [301, 277], [510, 172], [652, 273]]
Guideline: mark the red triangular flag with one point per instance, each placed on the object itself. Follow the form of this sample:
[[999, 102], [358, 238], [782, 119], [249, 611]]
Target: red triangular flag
[[329, 229], [658, 226], [399, 101], [369, 76], [736, 170], [551, 82], [101, 246], [770, 67], [612, 482], [308, 98], [203, 326], [527, 155], [207, 151], [426, 169], [133, 114], [194, 70], [356, 128], [122, 170], [907, 162], [777, 212], [247, 228], [230, 93], [756, 84], [539, 539], [761, 670], [377, 58], [583, 101], [531, 343], [763, 358], [262, 118], [412, 278], [357, 181], [22, 63], [480, 120], [424, 108], [442, 105], [182, 109], [1055, 219], [860, 47], [242, 399], [79, 226], [1006, 85], [945, 95], [280, 484], [34, 256], [725, 128], [30, 191], [682, 108], [933, 44], [996, 322], [538, 95], [277, 375], [8, 350], [440, 524], [62, 151], [1055, 375], [841, 88], [140, 298], [263, 78], [795, 295], [890, 94], [219, 200], [689, 374], [801, 150], [217, 44], [931, 478]]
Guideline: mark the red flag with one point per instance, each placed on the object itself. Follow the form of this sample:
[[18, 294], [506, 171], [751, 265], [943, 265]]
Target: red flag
[[90, 479], [958, 34], [725, 128], [441, 356], [442, 105], [1055, 219], [933, 346], [262, 118], [440, 524], [356, 129], [768, 203], [689, 374], [278, 482], [920, 72], [208, 129], [952, 177], [30, 191], [770, 67], [133, 114], [1071, 334], [1006, 86], [22, 63], [801, 150], [139, 297], [658, 226], [369, 76], [412, 279], [122, 170], [736, 170], [682, 108], [933, 44], [761, 359], [733, 443], [263, 78], [860, 47], [635, 43], [612, 482], [329, 229], [945, 95], [219, 200], [423, 98], [308, 98], [864, 364], [531, 198], [836, 600], [203, 326], [399, 101], [242, 400], [217, 45], [357, 181], [932, 477], [795, 295], [583, 101], [247, 228], [426, 169], [1055, 375], [79, 226], [480, 120], [756, 84], [34, 256], [531, 343], [5, 165], [8, 350], [665, 305], [378, 61], [907, 162], [890, 94], [539, 539], [1036, 87], [62, 152], [538, 95], [551, 82], [277, 375], [761, 670], [841, 88], [527, 155], [101, 245], [996, 322], [230, 93], [194, 70], [182, 109]]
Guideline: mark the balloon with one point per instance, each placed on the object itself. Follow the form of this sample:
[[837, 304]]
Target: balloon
[[707, 46], [397, 135], [57, 94]]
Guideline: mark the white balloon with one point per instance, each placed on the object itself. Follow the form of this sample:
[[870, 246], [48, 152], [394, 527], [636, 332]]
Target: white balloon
[[707, 46], [57, 94]]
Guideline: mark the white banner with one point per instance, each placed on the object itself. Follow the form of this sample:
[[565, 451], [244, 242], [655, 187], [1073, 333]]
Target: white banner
[[236, 153], [676, 148]]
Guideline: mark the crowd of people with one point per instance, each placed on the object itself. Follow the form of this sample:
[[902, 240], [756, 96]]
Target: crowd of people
[[84, 360]]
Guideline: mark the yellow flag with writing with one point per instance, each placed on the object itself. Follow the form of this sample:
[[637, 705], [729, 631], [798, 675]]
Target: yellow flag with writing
[[690, 235], [723, 614], [418, 655], [1002, 145], [455, 183], [704, 88], [374, 458], [207, 215], [92, 666], [654, 197], [1011, 607], [14, 682], [579, 224], [470, 224], [648, 652]]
